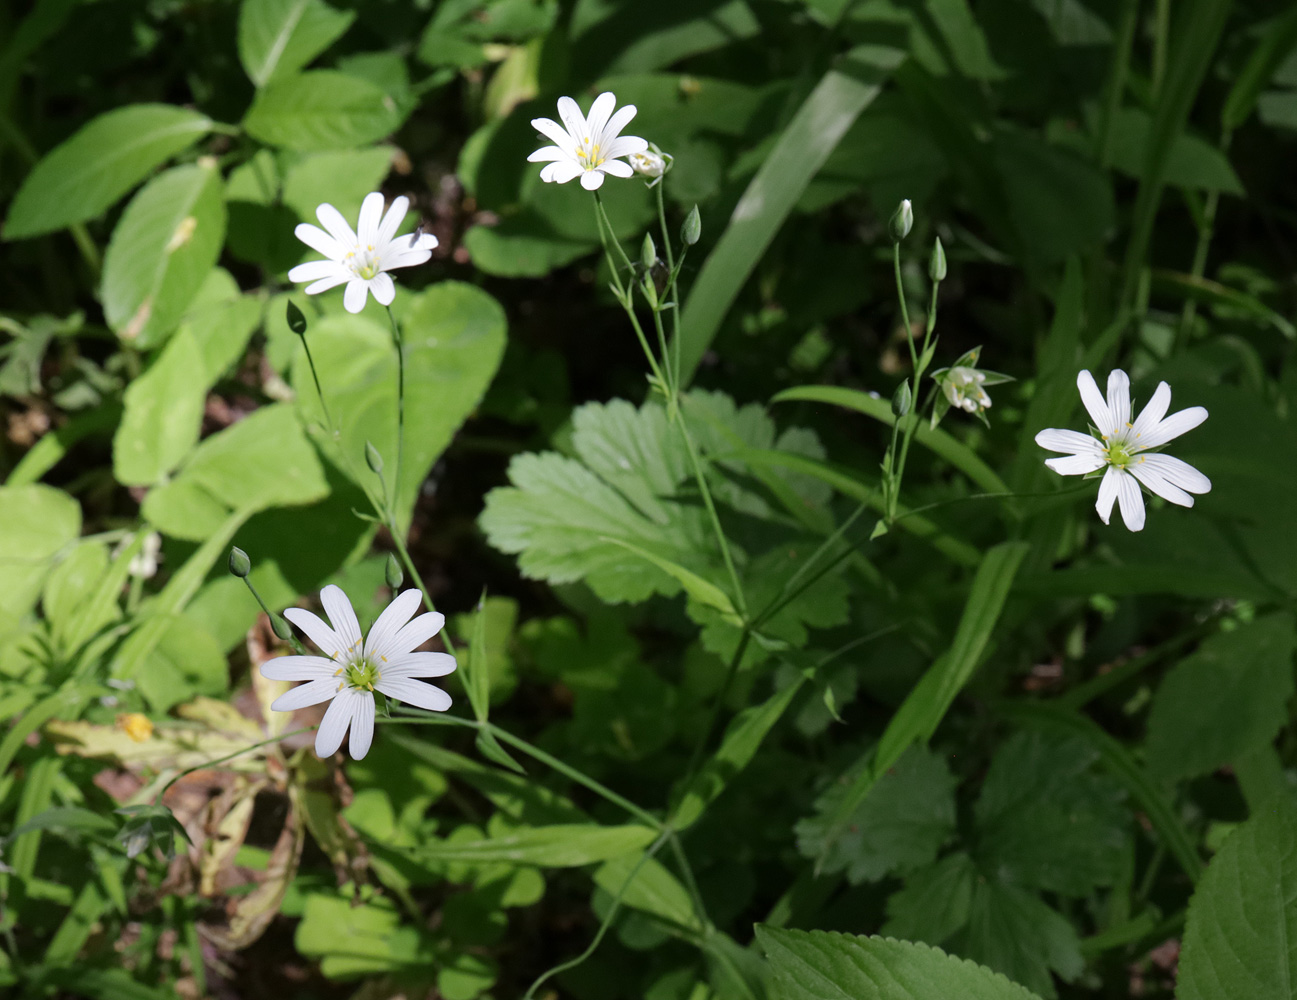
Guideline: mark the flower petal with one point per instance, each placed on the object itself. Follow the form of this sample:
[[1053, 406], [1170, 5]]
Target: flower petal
[[560, 171], [1076, 465], [316, 269], [396, 213], [1154, 410], [393, 619], [419, 665], [618, 168], [1173, 426], [612, 128], [1131, 501], [362, 725], [305, 695], [383, 288], [342, 616], [1094, 404], [333, 727], [572, 119], [412, 636], [353, 299], [1159, 484], [298, 668], [1068, 442], [398, 256], [339, 277], [371, 213], [626, 145], [547, 153], [414, 692], [336, 226], [1119, 399], [600, 112], [555, 133], [320, 241], [1178, 472], [1107, 494], [592, 180], [318, 632]]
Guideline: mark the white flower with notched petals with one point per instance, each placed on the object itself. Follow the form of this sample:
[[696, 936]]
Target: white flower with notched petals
[[1125, 447], [587, 147], [361, 259], [353, 668]]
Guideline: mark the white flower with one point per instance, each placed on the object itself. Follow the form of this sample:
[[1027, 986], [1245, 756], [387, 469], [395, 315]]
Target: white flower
[[361, 259], [1123, 447], [586, 147], [352, 669], [648, 163], [964, 389]]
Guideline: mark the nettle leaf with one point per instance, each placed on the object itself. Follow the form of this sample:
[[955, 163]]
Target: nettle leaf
[[934, 903], [900, 828], [82, 177], [162, 250], [279, 37], [1242, 924], [1046, 820], [1229, 697], [825, 965], [322, 109], [1013, 931]]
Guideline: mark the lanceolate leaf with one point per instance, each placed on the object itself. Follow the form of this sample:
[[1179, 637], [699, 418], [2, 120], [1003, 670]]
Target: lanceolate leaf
[[561, 846], [322, 109], [81, 178]]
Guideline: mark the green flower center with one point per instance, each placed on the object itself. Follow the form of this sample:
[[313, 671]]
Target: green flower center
[[360, 674], [1119, 454]]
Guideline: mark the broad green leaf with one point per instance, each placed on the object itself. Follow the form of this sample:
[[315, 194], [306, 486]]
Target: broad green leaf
[[843, 93], [1046, 820], [695, 586], [454, 338], [186, 661], [1191, 163], [1241, 934], [353, 940], [70, 588], [560, 846], [937, 441], [935, 903], [926, 705], [608, 37], [262, 461], [161, 252], [898, 829], [322, 109], [341, 178], [36, 523], [279, 37], [655, 890], [87, 173], [162, 414], [825, 965], [740, 744], [1224, 700], [1014, 932]]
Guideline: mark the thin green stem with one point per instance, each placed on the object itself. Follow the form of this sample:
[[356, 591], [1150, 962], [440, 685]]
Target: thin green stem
[[827, 544], [1116, 87], [691, 883], [905, 309], [319, 392], [1161, 33], [400, 406], [1205, 233], [603, 215], [701, 478], [292, 639], [695, 758], [1101, 684], [408, 563], [228, 757]]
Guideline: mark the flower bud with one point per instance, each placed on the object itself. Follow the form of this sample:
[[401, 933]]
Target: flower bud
[[240, 564], [280, 627], [648, 253], [373, 459], [937, 264], [692, 228], [296, 321], [392, 571], [902, 221], [650, 291], [901, 400], [648, 163]]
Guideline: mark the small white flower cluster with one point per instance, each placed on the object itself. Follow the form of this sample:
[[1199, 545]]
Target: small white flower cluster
[[963, 387]]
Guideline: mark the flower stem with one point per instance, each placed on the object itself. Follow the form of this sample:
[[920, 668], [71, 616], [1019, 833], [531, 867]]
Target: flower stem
[[400, 407], [228, 757], [701, 478]]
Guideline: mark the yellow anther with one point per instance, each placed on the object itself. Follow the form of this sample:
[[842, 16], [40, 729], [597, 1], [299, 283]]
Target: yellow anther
[[341, 685], [338, 672]]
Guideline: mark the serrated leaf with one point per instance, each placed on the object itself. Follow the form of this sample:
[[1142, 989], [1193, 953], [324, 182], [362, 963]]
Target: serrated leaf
[[1241, 935], [1014, 932], [823, 965], [87, 173], [935, 903], [279, 37], [161, 251], [1046, 820], [1224, 700], [322, 109], [898, 829]]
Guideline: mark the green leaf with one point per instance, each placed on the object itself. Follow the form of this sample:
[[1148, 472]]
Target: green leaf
[[353, 940], [186, 661], [342, 178], [898, 829], [1014, 932], [279, 37], [1241, 934], [161, 251], [162, 414], [937, 441], [1046, 821], [839, 98], [1191, 162], [655, 890], [36, 522], [87, 173], [454, 338], [1224, 700], [322, 109], [935, 903], [1275, 44], [608, 37], [694, 585], [70, 588], [559, 846], [825, 965]]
